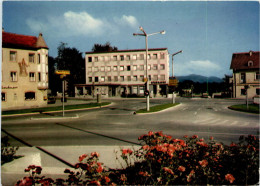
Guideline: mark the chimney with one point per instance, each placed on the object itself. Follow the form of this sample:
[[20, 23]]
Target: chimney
[[250, 52]]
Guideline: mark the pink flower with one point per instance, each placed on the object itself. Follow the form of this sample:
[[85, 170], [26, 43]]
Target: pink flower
[[181, 168], [150, 133], [82, 157], [203, 163], [230, 178]]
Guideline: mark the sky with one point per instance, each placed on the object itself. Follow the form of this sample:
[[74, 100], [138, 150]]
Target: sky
[[208, 32]]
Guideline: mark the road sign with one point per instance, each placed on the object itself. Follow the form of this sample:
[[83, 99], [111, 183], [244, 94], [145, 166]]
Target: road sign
[[173, 82], [62, 72]]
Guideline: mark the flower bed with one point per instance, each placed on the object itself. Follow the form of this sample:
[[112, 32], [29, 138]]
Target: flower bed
[[163, 160]]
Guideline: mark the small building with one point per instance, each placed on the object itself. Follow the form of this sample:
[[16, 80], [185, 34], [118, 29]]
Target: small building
[[123, 73], [245, 68], [24, 71]]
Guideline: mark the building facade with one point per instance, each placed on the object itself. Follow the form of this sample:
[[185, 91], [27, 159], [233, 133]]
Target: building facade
[[24, 71], [246, 75], [123, 73]]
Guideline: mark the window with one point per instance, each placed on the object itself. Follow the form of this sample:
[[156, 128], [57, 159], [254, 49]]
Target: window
[[29, 96], [155, 77], [154, 56], [155, 67], [102, 69], [90, 69], [108, 69], [12, 56], [135, 57], [96, 79], [121, 68], [31, 58], [13, 76], [142, 56], [90, 79], [115, 68], [257, 91], [128, 57], [142, 78], [39, 58], [243, 77], [47, 59], [162, 77], [115, 58], [102, 58], [128, 68], [122, 58], [149, 67], [39, 77], [89, 59], [122, 78], [149, 56], [243, 91], [162, 56], [250, 63], [149, 77], [31, 76], [115, 78], [162, 66], [96, 69], [109, 78], [3, 96], [96, 59], [102, 78], [141, 67], [257, 76], [135, 67], [135, 78], [128, 78]]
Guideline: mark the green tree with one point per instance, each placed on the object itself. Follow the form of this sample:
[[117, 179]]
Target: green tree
[[71, 59], [103, 48], [54, 79]]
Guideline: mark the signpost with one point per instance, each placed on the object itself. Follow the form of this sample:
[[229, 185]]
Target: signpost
[[63, 74]]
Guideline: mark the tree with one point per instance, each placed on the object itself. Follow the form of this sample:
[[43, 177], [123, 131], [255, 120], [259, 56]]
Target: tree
[[71, 59], [54, 80], [104, 48]]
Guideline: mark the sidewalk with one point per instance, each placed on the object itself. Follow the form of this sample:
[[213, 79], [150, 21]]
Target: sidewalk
[[13, 171]]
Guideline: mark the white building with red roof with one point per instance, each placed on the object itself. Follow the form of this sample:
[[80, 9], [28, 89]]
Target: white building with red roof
[[24, 71], [246, 75], [123, 73]]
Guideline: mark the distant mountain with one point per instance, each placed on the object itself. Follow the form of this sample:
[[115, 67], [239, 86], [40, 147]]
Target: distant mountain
[[199, 78]]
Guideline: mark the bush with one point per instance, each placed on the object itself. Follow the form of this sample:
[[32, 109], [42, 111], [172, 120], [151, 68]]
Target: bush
[[7, 151], [163, 160]]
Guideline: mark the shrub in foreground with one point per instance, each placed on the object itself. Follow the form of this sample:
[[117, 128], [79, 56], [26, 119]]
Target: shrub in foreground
[[7, 151], [163, 160]]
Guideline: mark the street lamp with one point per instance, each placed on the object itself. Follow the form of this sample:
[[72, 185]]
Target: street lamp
[[173, 96], [146, 46]]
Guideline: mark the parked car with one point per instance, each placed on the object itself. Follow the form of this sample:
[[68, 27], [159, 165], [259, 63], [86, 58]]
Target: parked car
[[51, 99]]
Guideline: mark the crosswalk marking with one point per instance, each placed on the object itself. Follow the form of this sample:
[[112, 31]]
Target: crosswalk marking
[[214, 122]]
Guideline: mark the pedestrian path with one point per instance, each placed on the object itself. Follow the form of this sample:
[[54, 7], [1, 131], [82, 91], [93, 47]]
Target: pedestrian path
[[213, 121]]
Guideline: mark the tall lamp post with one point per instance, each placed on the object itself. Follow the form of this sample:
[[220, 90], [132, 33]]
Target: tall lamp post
[[146, 46], [173, 96]]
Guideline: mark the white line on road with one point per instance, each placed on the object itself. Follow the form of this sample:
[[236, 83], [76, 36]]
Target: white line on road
[[233, 123], [245, 124]]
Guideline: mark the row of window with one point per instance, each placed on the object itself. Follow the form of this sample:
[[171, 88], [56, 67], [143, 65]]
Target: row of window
[[31, 57], [243, 77], [28, 96], [126, 68], [243, 91], [125, 57], [125, 78], [32, 76]]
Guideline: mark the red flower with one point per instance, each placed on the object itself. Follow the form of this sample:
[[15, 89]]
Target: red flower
[[181, 168], [194, 136], [203, 163], [82, 157], [95, 154], [168, 170], [211, 138], [94, 182], [127, 151], [233, 145], [99, 169], [107, 179], [146, 147], [230, 178]]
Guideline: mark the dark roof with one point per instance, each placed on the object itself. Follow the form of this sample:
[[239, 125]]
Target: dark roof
[[240, 60], [133, 50], [10, 40]]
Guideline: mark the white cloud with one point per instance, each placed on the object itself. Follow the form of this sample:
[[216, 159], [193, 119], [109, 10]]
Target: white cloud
[[127, 20], [200, 67], [81, 23]]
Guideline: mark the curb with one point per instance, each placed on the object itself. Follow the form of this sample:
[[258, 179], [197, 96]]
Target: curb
[[158, 111]]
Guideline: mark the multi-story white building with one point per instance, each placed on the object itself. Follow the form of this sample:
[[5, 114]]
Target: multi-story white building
[[123, 73], [24, 71], [245, 68]]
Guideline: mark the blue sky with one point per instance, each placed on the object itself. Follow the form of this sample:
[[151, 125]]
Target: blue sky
[[207, 32]]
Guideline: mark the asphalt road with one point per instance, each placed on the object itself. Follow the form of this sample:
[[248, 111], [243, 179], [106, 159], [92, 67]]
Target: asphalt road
[[117, 125]]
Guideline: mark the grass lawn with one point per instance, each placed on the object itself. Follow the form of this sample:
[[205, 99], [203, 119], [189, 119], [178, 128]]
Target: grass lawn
[[252, 108], [157, 108], [58, 108]]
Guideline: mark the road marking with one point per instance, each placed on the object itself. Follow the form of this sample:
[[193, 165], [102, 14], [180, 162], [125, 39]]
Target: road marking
[[245, 124], [233, 123], [195, 113], [213, 121], [202, 122]]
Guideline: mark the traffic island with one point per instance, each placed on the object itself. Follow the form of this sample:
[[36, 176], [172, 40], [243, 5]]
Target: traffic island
[[252, 108], [156, 108]]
